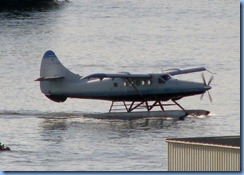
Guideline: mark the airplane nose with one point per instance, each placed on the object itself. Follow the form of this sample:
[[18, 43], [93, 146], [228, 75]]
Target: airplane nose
[[207, 87]]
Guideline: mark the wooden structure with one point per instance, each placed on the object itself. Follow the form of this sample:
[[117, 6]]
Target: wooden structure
[[204, 154]]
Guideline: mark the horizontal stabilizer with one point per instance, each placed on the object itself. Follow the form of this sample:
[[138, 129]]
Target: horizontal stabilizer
[[48, 78]]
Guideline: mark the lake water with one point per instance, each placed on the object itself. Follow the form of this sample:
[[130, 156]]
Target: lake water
[[113, 36]]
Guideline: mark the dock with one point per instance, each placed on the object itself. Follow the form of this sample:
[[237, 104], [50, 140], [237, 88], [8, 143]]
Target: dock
[[204, 153]]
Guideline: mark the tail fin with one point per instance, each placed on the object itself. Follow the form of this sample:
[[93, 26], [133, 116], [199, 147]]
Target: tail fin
[[54, 77], [51, 67]]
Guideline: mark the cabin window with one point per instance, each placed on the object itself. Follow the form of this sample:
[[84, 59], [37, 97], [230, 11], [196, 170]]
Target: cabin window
[[126, 83], [138, 83], [115, 84], [166, 77], [149, 82]]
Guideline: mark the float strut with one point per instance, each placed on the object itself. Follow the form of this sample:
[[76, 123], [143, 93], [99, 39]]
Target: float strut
[[161, 106], [178, 105], [111, 106]]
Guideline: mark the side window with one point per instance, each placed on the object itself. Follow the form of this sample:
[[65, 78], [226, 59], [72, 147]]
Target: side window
[[115, 84], [166, 77], [149, 82], [138, 83], [128, 83]]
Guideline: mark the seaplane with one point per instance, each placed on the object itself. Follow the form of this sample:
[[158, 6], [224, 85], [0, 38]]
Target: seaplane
[[132, 91]]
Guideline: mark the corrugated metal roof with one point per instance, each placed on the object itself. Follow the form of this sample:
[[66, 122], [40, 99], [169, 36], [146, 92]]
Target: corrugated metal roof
[[233, 141]]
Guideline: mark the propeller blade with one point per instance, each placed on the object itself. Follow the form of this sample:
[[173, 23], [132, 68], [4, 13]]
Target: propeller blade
[[210, 98], [203, 78], [210, 80]]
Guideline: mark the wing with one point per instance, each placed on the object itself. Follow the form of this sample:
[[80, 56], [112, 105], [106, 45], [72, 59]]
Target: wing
[[185, 71], [120, 75]]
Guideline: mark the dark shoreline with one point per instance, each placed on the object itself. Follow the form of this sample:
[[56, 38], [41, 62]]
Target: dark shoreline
[[4, 148], [29, 4]]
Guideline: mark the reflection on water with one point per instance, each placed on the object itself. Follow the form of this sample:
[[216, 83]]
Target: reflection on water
[[53, 122], [52, 130], [143, 124], [53, 125]]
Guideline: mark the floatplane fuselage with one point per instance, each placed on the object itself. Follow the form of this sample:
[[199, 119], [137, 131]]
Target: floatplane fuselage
[[58, 84]]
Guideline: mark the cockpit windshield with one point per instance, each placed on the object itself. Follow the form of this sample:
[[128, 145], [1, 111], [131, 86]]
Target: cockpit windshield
[[166, 77]]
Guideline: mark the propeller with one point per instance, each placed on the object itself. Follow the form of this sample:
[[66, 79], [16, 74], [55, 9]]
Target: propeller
[[207, 84]]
